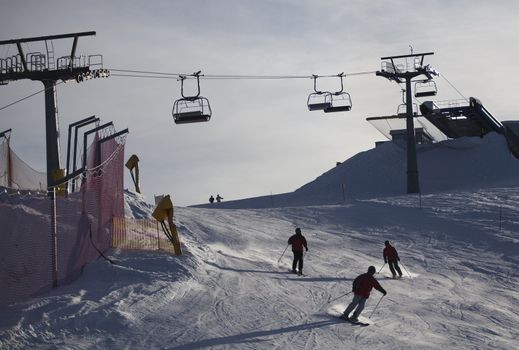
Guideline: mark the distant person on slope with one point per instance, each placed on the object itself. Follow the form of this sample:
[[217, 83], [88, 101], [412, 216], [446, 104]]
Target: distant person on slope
[[211, 199], [391, 257], [218, 198], [298, 241], [362, 286]]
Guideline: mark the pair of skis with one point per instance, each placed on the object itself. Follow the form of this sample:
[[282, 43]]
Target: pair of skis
[[357, 323]]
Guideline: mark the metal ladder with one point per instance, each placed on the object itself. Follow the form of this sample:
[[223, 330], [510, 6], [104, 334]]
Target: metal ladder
[[51, 63]]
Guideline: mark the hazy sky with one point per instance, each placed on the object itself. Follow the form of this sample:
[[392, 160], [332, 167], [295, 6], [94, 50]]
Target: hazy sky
[[261, 138]]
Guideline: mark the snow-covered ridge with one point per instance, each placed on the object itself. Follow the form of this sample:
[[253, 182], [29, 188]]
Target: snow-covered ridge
[[461, 164]]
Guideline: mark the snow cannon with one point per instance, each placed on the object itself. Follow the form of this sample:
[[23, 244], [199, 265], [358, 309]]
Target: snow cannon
[[133, 165], [163, 212]]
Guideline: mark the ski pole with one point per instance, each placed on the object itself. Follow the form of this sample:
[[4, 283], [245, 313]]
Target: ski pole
[[282, 254], [406, 270], [381, 267], [372, 312], [340, 296]]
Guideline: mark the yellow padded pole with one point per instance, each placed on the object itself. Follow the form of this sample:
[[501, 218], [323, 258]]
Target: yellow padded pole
[[163, 212], [133, 165]]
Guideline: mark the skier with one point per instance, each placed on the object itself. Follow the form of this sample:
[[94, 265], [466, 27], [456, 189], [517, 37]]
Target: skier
[[362, 286], [391, 257], [211, 199], [218, 198], [298, 241]]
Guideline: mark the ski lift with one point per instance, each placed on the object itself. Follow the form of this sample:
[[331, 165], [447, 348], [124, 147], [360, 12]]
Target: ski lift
[[191, 109], [425, 88], [340, 101], [318, 100]]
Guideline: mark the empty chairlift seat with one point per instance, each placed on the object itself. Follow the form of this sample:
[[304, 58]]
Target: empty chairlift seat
[[425, 88], [339, 102], [319, 100], [191, 110]]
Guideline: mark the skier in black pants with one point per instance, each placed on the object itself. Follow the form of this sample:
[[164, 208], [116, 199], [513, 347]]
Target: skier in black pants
[[391, 257], [298, 241]]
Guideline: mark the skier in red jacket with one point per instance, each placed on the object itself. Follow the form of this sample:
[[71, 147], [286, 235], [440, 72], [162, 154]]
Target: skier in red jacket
[[391, 257], [298, 241], [362, 286]]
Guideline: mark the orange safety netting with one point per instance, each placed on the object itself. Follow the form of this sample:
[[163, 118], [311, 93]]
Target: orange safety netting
[[139, 234], [31, 261]]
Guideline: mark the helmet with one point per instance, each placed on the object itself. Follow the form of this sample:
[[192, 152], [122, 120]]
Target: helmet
[[386, 242], [372, 270], [298, 230]]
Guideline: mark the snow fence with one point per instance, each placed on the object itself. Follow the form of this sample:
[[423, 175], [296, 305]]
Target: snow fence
[[47, 242]]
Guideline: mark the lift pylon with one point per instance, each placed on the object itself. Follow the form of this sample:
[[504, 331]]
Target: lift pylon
[[403, 69], [41, 66]]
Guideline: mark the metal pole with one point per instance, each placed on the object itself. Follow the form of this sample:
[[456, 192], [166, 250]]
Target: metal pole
[[500, 217], [158, 235], [372, 312], [282, 254], [53, 237], [52, 131], [340, 296], [76, 128], [406, 270], [413, 185]]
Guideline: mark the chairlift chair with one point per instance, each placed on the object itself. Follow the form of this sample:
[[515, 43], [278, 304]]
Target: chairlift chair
[[425, 88], [318, 100], [191, 109], [340, 101]]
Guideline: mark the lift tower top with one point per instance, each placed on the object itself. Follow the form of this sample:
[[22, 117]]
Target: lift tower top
[[42, 66], [403, 69]]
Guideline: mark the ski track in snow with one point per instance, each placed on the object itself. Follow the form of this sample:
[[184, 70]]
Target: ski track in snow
[[229, 292]]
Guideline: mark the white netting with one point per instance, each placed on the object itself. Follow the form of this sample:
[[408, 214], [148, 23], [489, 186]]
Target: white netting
[[15, 173]]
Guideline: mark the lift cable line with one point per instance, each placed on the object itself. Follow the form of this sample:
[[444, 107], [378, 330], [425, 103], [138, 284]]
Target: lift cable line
[[28, 96], [176, 76], [443, 76], [154, 74]]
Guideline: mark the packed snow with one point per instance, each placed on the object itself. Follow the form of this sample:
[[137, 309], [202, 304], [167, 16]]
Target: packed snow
[[232, 288]]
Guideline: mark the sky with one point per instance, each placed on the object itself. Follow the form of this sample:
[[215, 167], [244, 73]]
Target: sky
[[475, 45]]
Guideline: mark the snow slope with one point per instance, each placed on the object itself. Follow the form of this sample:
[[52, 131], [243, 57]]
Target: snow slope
[[229, 292], [232, 289]]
